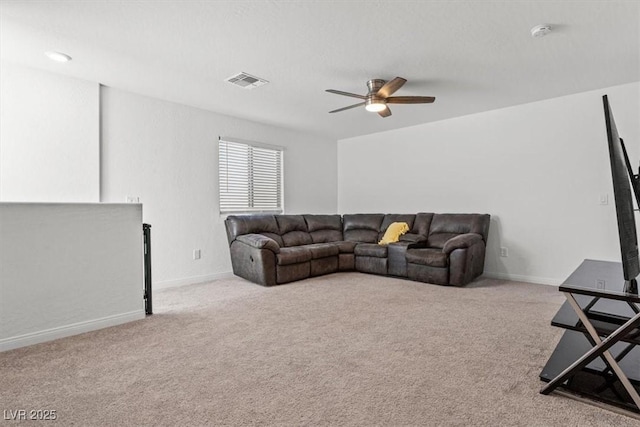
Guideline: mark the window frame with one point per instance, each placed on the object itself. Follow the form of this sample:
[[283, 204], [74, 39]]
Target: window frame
[[249, 209]]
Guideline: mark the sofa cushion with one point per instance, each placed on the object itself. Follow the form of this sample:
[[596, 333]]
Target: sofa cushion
[[362, 227], [287, 223], [323, 236], [427, 256], [293, 230], [293, 255], [371, 249], [461, 224], [296, 238], [323, 222], [393, 233], [422, 223], [322, 250], [361, 236], [324, 228], [345, 247], [362, 221]]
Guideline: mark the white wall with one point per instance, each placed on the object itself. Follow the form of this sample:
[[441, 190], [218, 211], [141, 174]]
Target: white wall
[[49, 137], [68, 268], [166, 154], [539, 169]]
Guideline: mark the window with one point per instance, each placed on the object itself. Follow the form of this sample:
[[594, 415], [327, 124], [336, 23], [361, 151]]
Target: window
[[250, 177]]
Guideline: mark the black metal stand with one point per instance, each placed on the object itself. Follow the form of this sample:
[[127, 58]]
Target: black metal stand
[[148, 306], [598, 355], [599, 350]]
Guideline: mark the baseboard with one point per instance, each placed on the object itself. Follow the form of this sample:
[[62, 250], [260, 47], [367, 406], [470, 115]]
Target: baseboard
[[192, 280], [228, 274], [69, 330], [522, 278]]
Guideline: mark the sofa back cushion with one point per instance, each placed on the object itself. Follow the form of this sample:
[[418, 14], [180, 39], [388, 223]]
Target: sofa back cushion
[[288, 223], [445, 226], [324, 228], [266, 225], [362, 227], [422, 223], [391, 218], [293, 230]]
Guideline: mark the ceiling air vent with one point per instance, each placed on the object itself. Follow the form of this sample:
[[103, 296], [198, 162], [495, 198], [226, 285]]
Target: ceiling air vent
[[246, 81]]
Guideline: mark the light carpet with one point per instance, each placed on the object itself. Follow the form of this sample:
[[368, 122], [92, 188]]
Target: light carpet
[[343, 349]]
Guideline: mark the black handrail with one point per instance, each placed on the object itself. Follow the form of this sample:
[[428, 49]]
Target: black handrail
[[146, 231]]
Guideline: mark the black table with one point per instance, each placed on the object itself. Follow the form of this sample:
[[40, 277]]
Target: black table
[[599, 354]]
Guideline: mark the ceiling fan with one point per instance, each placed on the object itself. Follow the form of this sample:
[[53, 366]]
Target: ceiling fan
[[379, 96]]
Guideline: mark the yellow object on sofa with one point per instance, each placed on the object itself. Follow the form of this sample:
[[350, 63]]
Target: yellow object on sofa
[[393, 233]]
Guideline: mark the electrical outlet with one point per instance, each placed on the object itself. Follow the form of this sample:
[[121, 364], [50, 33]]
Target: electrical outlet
[[504, 252], [601, 284], [604, 199], [133, 199], [196, 254]]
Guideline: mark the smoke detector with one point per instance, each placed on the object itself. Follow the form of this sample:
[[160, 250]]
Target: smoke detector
[[540, 30], [246, 81]]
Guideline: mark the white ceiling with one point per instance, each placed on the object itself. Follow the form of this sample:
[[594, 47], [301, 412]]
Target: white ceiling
[[472, 56]]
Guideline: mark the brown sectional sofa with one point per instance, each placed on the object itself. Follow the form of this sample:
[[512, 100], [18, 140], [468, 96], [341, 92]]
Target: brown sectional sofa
[[444, 249]]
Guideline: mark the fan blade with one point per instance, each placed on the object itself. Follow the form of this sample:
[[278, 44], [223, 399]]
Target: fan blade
[[410, 99], [390, 87], [339, 92], [359, 104], [385, 113]]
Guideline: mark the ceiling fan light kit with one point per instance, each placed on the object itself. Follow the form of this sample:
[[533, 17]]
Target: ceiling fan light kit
[[375, 104], [379, 96]]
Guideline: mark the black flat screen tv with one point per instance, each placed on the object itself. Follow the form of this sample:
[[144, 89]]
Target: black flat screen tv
[[624, 184]]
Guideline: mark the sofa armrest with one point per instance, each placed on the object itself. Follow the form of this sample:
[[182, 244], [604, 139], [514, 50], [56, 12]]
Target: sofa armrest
[[414, 240], [461, 241], [259, 241]]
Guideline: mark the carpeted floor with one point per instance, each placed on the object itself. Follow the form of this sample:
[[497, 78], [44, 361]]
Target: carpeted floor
[[343, 349]]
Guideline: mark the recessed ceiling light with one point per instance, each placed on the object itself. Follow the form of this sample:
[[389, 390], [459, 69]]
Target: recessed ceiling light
[[540, 30], [58, 56]]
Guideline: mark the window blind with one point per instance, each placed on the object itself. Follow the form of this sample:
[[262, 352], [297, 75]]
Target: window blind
[[250, 177]]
